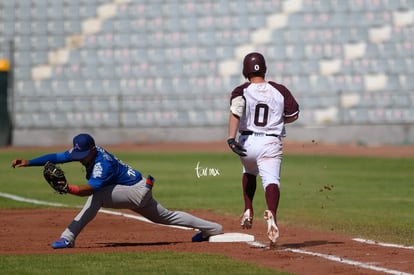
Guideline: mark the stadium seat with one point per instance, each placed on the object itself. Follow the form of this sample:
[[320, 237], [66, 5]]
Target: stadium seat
[[24, 120], [163, 50]]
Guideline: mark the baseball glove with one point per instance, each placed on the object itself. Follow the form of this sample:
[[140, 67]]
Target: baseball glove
[[55, 176], [236, 147]]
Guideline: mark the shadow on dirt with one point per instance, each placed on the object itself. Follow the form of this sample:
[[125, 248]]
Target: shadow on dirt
[[137, 244]]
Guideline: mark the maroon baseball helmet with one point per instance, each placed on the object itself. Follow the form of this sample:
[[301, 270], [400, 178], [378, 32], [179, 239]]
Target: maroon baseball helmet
[[254, 63]]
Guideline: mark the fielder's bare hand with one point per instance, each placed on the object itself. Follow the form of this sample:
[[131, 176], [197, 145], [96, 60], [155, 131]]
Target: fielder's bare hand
[[19, 163]]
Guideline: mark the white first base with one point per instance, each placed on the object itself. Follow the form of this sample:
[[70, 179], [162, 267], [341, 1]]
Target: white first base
[[231, 238]]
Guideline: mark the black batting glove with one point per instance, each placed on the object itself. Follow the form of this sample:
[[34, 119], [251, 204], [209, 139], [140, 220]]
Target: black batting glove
[[236, 147]]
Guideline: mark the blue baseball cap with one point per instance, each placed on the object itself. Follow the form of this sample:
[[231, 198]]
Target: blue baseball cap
[[82, 145]]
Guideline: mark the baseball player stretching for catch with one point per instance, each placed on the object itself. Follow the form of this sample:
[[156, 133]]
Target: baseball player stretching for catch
[[113, 184], [259, 110]]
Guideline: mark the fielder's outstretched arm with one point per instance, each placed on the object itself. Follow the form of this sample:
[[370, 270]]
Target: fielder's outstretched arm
[[81, 190]]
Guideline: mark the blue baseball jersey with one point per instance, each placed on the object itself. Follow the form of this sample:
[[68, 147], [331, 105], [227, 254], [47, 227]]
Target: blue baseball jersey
[[106, 170]]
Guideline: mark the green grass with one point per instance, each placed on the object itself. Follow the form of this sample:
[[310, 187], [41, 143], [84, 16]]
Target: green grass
[[368, 197], [128, 263], [360, 196]]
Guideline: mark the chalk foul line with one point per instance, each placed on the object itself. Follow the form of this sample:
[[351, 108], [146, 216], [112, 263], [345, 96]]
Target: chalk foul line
[[383, 244], [115, 213], [348, 262]]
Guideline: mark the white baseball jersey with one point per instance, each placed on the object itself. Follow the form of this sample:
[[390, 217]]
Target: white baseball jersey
[[263, 107]]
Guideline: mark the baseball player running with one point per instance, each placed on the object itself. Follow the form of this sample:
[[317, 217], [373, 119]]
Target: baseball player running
[[114, 184], [259, 110]]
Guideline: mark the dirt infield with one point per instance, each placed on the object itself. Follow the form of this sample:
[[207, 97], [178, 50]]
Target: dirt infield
[[108, 233], [299, 250]]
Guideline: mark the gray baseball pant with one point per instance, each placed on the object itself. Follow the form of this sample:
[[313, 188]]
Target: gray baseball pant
[[137, 198]]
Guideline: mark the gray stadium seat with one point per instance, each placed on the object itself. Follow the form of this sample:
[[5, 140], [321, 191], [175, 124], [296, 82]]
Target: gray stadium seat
[[54, 11], [24, 120], [60, 88], [42, 87], [111, 86], [24, 72], [39, 27], [121, 26], [104, 71], [39, 43], [22, 27], [72, 26], [129, 119], [56, 41], [89, 71], [42, 120], [162, 50], [39, 57], [22, 11], [408, 115], [22, 58], [87, 10], [7, 28], [24, 88]]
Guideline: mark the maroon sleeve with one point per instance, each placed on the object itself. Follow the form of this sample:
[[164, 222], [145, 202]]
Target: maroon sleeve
[[238, 91], [291, 106]]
